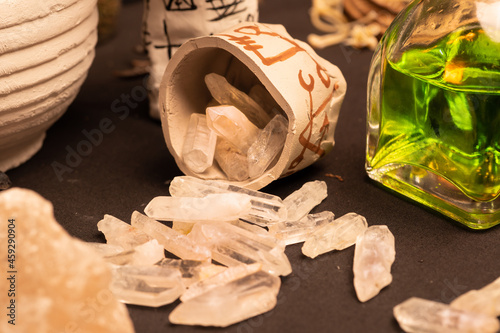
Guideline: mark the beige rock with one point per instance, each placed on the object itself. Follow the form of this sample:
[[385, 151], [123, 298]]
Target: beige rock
[[61, 285]]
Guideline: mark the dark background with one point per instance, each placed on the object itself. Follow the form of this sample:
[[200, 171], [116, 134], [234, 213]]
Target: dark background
[[436, 258]]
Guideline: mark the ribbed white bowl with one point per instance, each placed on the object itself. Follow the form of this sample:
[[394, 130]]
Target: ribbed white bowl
[[46, 49]]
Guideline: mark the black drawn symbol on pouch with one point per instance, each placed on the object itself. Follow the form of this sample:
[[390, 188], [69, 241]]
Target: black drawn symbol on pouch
[[169, 46], [225, 8], [174, 5]]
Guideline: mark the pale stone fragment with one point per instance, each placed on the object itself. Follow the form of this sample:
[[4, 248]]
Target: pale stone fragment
[[420, 315], [192, 271], [373, 257], [232, 245], [199, 144], [182, 227], [262, 96], [228, 275], [213, 207], [231, 160], [266, 208], [337, 235], [267, 146], [231, 124], [230, 303], [60, 283], [226, 94], [173, 241], [146, 285], [121, 233], [300, 202], [297, 231], [485, 300]]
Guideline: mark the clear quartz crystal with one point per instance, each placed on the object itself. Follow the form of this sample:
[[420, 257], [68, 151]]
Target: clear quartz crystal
[[192, 271], [231, 160], [485, 300], [146, 285], [300, 202], [173, 241], [230, 303], [420, 315], [199, 144], [121, 233], [232, 245], [297, 231], [228, 275], [230, 123], [148, 253], [226, 94], [266, 208], [213, 207], [373, 257], [337, 235], [267, 146]]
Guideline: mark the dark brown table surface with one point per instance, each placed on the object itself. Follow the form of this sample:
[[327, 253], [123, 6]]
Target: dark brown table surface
[[436, 258]]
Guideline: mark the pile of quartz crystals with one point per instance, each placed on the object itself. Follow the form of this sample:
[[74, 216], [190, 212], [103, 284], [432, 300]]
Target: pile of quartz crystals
[[474, 311], [243, 133], [61, 287]]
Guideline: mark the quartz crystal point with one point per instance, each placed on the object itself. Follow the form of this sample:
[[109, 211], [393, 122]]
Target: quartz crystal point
[[262, 96], [192, 271], [267, 146], [298, 231], [420, 315], [61, 283], [146, 285], [266, 208], [199, 144], [230, 303], [485, 300], [231, 124], [148, 253], [121, 233], [226, 94], [228, 275], [337, 235], [231, 160], [300, 202], [373, 257], [232, 245], [213, 207], [173, 241]]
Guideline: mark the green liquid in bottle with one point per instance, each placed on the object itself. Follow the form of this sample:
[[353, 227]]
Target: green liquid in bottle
[[434, 126]]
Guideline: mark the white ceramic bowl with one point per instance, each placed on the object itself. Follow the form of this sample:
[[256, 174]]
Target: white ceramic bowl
[[46, 49]]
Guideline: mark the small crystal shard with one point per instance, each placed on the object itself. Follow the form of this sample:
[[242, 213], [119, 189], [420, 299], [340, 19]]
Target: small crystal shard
[[173, 241], [192, 271], [337, 235], [213, 207], [485, 300], [226, 94], [373, 258], [231, 160], [228, 275], [232, 245], [230, 123], [60, 285], [267, 146], [230, 303], [121, 233], [199, 144], [266, 208], [420, 315], [298, 231], [146, 285], [300, 202]]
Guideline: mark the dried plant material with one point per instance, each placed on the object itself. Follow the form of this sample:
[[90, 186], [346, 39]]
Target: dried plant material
[[420, 315], [61, 283], [485, 300], [199, 144], [331, 175], [373, 257]]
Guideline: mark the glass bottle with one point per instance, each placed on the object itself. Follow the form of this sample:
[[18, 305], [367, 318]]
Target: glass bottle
[[433, 126]]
